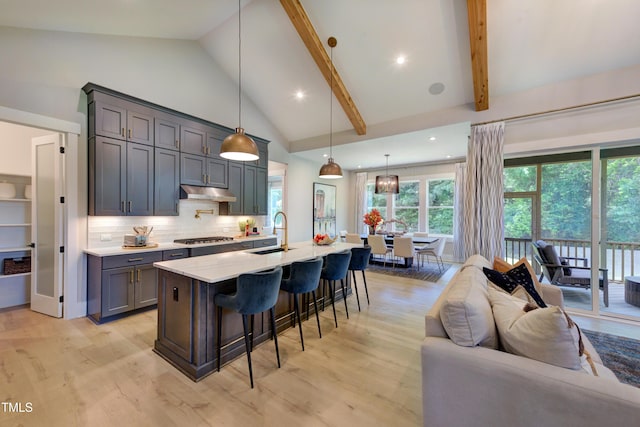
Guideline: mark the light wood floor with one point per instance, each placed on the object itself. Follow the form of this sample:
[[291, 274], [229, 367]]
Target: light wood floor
[[364, 373]]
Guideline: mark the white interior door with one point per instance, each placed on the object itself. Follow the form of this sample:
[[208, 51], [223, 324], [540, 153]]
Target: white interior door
[[47, 228]]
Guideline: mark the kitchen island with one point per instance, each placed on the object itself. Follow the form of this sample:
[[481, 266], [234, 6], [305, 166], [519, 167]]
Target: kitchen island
[[187, 313]]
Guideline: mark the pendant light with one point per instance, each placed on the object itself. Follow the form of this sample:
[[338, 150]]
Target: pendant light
[[239, 146], [387, 184], [331, 170]]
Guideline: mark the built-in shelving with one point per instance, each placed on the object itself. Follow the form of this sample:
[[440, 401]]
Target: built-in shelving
[[15, 235]]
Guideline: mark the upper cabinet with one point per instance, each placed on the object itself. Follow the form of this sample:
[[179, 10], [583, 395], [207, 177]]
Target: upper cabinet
[[140, 153], [115, 118]]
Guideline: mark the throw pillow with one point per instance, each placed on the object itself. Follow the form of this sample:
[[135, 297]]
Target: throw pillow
[[503, 266], [466, 313], [517, 276], [544, 334]]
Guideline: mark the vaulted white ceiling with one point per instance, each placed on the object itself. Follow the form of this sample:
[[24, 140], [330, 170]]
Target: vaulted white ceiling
[[531, 43]]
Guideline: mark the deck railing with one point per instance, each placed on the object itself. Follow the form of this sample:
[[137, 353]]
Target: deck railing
[[622, 258]]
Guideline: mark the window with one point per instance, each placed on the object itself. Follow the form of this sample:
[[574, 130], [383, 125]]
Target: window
[[422, 203], [407, 207], [275, 198], [440, 206]]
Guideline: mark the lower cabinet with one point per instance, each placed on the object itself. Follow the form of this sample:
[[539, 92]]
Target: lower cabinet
[[121, 283]]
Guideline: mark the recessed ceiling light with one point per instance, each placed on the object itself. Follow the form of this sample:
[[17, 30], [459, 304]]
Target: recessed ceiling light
[[436, 88], [325, 155], [448, 156], [401, 60], [433, 138], [299, 94]]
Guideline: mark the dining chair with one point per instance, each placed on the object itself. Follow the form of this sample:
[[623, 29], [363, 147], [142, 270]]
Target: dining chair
[[255, 293], [436, 252], [378, 246], [403, 248], [303, 279], [354, 238]]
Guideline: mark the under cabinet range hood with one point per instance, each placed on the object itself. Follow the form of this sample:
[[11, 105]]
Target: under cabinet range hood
[[206, 193]]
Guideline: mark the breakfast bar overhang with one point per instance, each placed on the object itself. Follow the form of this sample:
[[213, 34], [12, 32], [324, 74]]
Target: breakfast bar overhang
[[187, 314]]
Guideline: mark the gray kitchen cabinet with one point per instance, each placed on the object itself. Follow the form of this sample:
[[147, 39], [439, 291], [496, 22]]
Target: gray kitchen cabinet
[[203, 171], [255, 190], [140, 174], [120, 177], [193, 140], [124, 120], [120, 284], [167, 133], [170, 254], [166, 196], [236, 186]]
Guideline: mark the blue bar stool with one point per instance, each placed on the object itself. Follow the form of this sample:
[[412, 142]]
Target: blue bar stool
[[304, 278], [256, 292], [335, 268], [360, 261]]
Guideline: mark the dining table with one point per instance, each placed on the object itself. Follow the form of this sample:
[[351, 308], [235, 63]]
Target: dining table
[[417, 241]]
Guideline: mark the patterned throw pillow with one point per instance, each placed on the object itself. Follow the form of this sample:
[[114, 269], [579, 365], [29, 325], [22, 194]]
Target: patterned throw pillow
[[503, 266], [510, 280]]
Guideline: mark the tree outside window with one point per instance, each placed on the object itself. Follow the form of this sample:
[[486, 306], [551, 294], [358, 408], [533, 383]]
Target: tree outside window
[[378, 201], [407, 207], [440, 206]]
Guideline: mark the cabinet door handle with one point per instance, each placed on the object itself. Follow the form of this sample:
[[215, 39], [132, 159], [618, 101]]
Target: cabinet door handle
[[204, 178], [208, 179], [129, 133], [131, 277], [122, 206], [174, 255], [130, 205], [139, 278], [177, 144], [175, 294], [122, 132], [135, 259]]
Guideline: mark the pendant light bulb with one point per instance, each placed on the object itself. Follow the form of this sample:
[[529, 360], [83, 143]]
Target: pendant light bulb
[[331, 170], [239, 146]]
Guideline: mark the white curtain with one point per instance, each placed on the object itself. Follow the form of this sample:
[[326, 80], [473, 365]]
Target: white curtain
[[361, 201], [483, 203], [458, 212]]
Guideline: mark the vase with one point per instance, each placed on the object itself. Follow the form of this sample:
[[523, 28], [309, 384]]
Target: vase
[[372, 229]]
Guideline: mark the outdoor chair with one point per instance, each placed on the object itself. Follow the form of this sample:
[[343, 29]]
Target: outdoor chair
[[558, 271]]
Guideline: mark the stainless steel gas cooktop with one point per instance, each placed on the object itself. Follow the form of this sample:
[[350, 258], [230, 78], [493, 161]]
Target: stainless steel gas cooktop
[[199, 240]]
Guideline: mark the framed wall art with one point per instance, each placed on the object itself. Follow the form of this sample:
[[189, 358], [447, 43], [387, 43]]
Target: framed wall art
[[324, 209]]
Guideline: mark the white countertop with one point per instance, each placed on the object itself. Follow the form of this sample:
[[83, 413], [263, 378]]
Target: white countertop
[[228, 265], [119, 250]]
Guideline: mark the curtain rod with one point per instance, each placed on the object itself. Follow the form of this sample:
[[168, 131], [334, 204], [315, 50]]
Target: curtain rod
[[559, 110]]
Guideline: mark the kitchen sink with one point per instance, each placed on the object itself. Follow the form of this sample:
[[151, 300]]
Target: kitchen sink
[[270, 251]]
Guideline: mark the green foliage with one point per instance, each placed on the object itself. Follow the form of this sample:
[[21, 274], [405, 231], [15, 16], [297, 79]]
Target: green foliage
[[566, 200], [441, 192], [441, 220]]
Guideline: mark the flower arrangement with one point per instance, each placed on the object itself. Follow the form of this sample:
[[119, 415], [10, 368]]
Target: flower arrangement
[[323, 239], [373, 219]]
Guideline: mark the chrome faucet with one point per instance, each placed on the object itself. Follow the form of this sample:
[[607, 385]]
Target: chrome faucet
[[285, 243]]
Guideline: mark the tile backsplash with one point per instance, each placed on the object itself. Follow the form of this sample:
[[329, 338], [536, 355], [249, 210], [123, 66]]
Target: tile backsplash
[[167, 228]]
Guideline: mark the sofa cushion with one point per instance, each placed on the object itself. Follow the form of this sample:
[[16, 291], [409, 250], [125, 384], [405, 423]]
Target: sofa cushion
[[544, 334], [477, 261], [466, 313], [510, 280]]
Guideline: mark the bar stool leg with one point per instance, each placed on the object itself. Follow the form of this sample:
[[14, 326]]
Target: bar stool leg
[[296, 313], [332, 289], [274, 333], [364, 278], [355, 286], [315, 305], [247, 345], [344, 296]]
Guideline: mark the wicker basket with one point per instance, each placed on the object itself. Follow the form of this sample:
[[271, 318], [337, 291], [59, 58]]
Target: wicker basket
[[16, 265]]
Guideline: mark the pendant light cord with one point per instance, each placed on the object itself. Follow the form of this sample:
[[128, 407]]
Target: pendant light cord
[[239, 66]]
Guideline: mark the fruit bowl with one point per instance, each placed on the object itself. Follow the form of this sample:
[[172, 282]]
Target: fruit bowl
[[323, 239]]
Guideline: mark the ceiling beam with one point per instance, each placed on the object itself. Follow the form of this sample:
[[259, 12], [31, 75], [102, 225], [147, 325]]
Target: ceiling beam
[[308, 34], [477, 13]]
